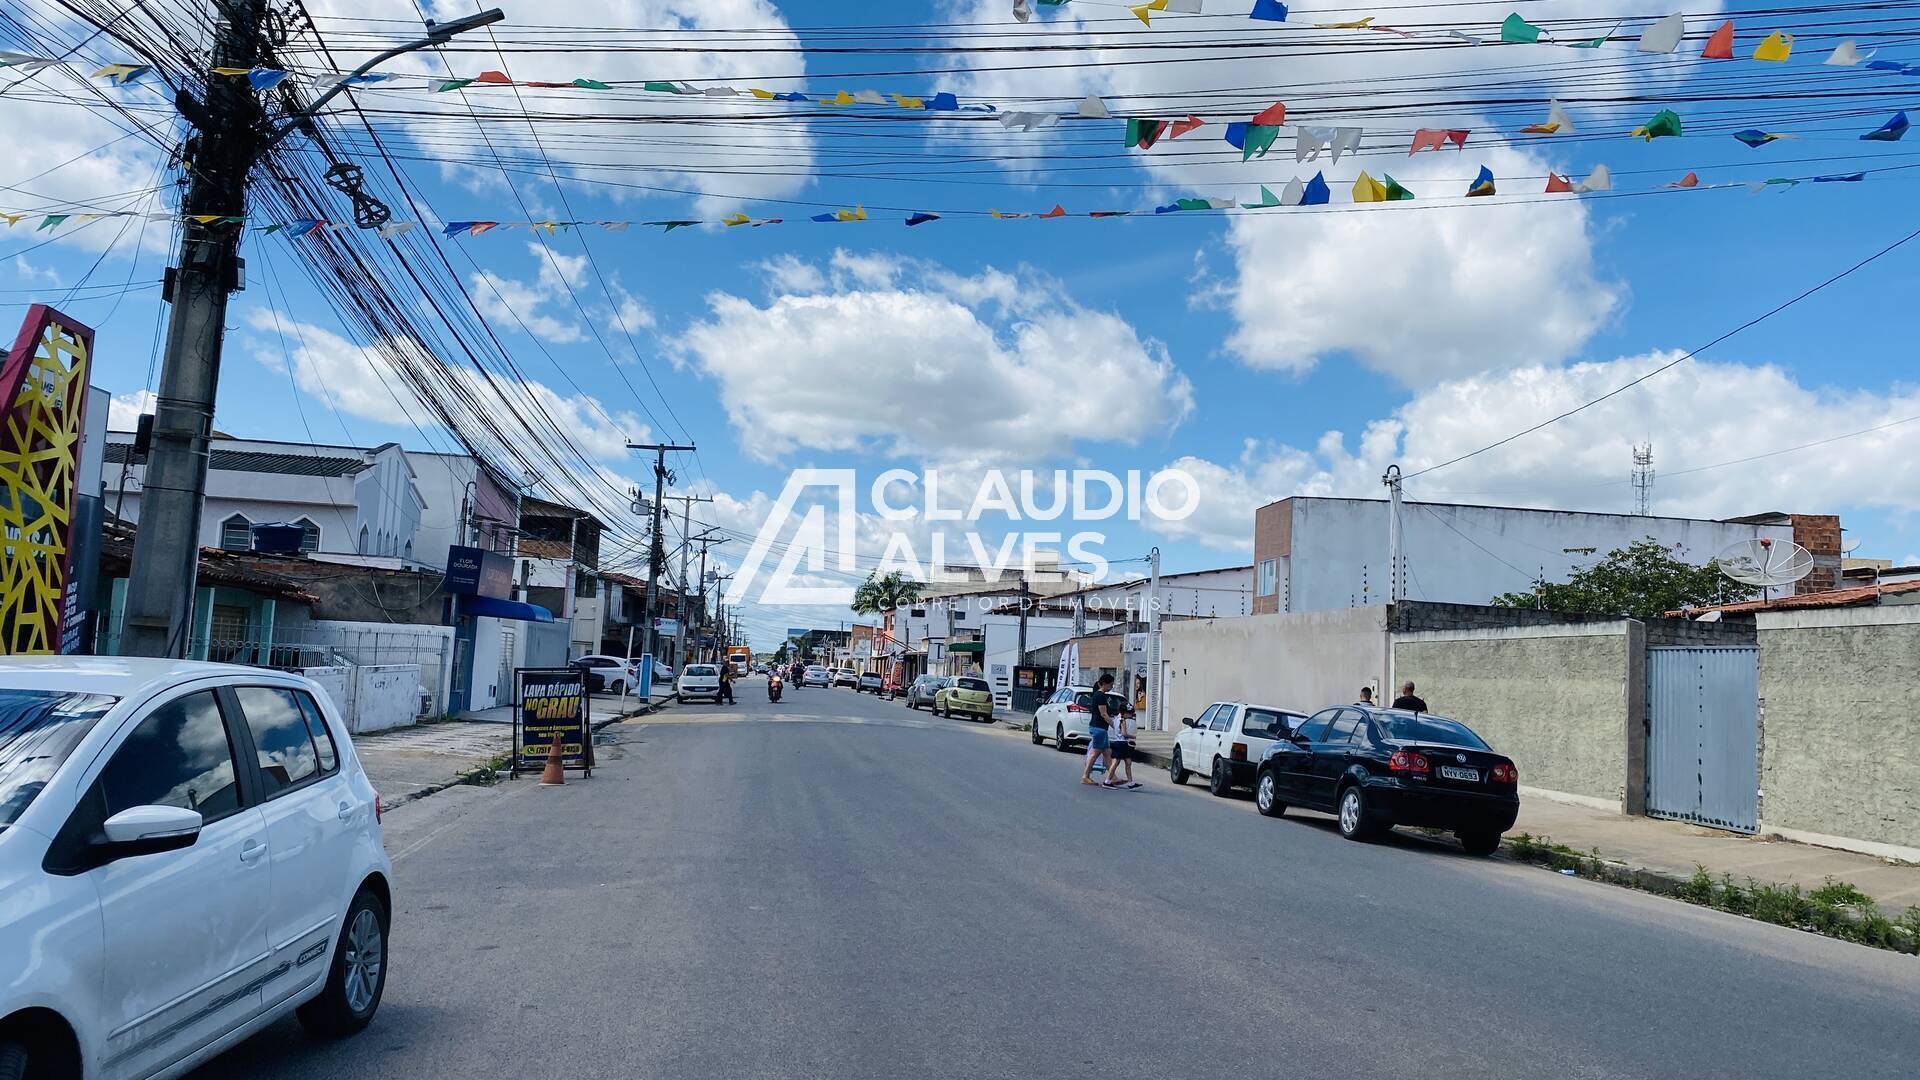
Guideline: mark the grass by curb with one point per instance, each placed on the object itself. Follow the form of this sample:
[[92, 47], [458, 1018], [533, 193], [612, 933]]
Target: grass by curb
[[1836, 909]]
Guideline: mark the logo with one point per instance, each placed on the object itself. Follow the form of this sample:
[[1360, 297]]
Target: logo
[[810, 536]]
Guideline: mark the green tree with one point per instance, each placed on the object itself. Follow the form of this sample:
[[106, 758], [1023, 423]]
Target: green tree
[[780, 654], [1643, 580], [885, 592]]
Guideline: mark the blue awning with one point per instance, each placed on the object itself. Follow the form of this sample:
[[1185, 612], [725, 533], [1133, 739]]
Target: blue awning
[[504, 609]]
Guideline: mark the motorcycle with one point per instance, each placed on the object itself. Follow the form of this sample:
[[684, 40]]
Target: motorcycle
[[773, 688]]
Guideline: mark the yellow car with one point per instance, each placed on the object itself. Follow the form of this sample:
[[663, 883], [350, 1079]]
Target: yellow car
[[965, 695]]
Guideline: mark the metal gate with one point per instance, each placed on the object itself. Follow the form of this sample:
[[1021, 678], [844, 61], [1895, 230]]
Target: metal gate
[[1703, 739]]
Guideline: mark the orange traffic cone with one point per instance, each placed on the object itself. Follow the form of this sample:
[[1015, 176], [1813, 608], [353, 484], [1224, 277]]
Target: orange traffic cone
[[556, 771]]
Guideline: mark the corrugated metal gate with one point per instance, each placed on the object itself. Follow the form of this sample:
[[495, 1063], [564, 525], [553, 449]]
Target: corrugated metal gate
[[1703, 742]]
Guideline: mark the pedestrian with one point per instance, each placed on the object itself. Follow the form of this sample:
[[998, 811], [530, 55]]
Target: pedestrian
[[1121, 751], [1408, 700], [1099, 731], [726, 683], [1366, 696]]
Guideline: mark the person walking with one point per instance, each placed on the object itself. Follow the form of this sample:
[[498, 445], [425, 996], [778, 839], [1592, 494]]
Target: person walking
[[1366, 696], [1408, 699], [726, 683], [1099, 731], [1121, 751]]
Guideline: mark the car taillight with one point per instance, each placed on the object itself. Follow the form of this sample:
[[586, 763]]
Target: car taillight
[[1408, 761], [1504, 773], [1239, 751], [1077, 708]]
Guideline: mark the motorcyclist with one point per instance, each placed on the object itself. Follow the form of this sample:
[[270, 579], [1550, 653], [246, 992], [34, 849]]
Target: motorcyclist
[[773, 685]]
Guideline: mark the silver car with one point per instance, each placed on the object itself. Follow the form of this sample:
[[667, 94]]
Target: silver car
[[920, 692]]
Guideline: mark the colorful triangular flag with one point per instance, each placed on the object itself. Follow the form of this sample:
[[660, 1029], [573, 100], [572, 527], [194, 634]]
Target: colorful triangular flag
[[1720, 45], [1775, 49], [1891, 131], [1663, 36], [1518, 30], [1482, 184]]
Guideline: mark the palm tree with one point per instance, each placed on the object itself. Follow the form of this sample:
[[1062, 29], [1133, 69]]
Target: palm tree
[[884, 593]]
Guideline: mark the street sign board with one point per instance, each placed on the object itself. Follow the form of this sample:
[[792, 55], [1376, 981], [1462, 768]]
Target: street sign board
[[552, 703], [666, 627], [473, 571]]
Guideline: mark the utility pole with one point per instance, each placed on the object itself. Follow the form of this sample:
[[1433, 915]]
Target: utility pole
[[1153, 641], [1643, 478], [656, 554], [686, 541], [705, 542], [1395, 540], [231, 134]]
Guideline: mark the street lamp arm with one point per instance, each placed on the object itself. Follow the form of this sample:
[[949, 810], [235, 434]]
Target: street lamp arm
[[437, 34]]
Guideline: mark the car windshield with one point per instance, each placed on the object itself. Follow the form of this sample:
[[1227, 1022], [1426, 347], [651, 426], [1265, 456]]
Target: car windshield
[[1421, 727], [973, 684], [38, 729], [702, 669]]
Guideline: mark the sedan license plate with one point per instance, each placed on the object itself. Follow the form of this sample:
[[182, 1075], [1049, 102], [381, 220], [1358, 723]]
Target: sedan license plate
[[1453, 772]]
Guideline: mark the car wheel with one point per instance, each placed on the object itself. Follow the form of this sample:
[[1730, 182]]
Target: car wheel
[[1037, 737], [1354, 824], [1266, 795], [1480, 843], [13, 1060], [1217, 781], [359, 973], [1177, 770], [1060, 738]]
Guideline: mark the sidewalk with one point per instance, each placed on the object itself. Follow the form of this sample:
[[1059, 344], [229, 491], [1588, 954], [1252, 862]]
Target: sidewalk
[[413, 762], [1668, 850]]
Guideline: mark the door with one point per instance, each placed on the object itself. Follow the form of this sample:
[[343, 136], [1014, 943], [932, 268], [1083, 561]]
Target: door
[[1703, 736], [185, 932], [1331, 754], [1293, 760], [311, 818], [1191, 740], [1218, 731]]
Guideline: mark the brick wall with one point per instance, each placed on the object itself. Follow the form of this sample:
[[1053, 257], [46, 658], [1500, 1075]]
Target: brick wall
[[1272, 539], [1820, 535]]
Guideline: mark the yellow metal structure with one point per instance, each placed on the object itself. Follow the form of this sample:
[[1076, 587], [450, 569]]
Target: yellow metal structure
[[44, 383]]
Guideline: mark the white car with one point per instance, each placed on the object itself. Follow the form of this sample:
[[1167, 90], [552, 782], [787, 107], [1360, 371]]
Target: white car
[[846, 676], [188, 853], [1227, 743], [1063, 717], [815, 675], [698, 680], [607, 674]]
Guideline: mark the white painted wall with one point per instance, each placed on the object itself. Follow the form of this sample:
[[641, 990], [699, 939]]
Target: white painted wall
[[1295, 660], [486, 691], [442, 480], [338, 683], [1469, 554], [385, 696]]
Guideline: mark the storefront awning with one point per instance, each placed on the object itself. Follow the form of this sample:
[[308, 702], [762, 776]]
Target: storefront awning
[[495, 608]]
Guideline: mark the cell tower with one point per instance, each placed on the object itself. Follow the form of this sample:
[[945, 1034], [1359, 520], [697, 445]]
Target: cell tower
[[1643, 478]]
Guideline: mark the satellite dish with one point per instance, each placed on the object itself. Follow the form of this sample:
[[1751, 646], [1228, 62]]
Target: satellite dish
[[1766, 563]]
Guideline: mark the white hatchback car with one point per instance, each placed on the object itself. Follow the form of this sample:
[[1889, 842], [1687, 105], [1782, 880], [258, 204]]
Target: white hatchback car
[[188, 853], [1063, 717], [1227, 743], [698, 680]]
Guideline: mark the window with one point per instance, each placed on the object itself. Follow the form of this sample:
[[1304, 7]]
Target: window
[[702, 669], [1267, 724], [236, 533], [1426, 727], [974, 684], [179, 756], [1222, 717], [280, 737], [317, 727], [1269, 576], [1314, 728], [1344, 727], [1205, 718], [38, 729], [309, 536]]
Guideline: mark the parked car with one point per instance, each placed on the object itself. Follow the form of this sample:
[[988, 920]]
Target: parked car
[[1063, 717], [965, 695], [871, 681], [922, 690], [1376, 768], [189, 852], [1228, 742], [698, 680], [816, 676], [846, 676], [608, 674]]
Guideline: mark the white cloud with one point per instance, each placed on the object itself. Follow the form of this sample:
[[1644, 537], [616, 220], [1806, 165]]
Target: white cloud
[[913, 359], [29, 272], [123, 414], [1421, 292], [1700, 413], [356, 380]]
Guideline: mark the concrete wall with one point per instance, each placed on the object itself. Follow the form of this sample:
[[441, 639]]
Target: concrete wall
[[338, 683], [1561, 701], [384, 696], [1840, 738], [1337, 548], [1298, 660]]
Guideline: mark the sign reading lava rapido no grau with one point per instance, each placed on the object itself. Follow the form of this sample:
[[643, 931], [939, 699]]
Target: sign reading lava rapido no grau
[[553, 702]]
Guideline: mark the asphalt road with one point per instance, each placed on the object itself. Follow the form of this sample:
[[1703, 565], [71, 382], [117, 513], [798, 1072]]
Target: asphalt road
[[835, 887]]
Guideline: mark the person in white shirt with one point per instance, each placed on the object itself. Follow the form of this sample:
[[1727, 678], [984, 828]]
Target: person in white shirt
[[1120, 749]]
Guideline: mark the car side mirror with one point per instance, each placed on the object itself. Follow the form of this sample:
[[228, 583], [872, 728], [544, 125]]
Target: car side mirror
[[148, 830], [1188, 721]]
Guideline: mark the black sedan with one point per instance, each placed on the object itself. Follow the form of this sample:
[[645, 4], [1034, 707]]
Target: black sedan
[[1377, 768]]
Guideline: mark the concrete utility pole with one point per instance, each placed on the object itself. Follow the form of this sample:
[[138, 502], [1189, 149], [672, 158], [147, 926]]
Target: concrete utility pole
[[231, 133], [1395, 540], [656, 554], [686, 541], [1153, 642]]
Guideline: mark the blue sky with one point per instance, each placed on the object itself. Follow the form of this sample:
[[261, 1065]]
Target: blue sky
[[1270, 354]]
